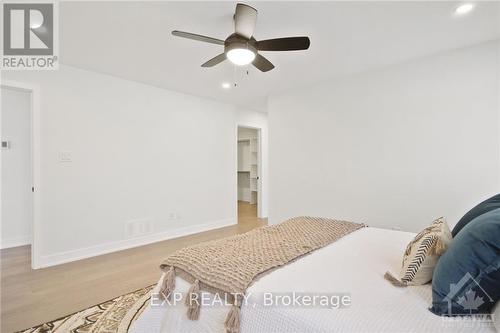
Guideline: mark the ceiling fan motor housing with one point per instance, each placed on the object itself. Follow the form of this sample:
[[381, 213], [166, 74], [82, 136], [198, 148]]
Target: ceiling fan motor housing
[[236, 41]]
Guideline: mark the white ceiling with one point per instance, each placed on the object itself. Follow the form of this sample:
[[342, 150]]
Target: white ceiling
[[132, 40]]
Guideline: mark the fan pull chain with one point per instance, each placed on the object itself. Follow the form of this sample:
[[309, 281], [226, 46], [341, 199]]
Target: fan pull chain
[[235, 84]]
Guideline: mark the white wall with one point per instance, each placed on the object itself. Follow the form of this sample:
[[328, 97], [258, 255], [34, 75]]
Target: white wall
[[16, 168], [395, 147], [162, 160]]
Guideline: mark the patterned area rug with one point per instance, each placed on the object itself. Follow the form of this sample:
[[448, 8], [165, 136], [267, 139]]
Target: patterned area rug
[[114, 316]]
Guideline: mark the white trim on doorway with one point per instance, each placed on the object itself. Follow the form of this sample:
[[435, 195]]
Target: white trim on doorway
[[262, 180], [34, 91]]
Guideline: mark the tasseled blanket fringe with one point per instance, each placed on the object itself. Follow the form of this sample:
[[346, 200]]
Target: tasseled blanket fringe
[[192, 301], [232, 322], [168, 284]]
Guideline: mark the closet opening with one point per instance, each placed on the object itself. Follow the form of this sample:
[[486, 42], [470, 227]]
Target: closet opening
[[249, 188]]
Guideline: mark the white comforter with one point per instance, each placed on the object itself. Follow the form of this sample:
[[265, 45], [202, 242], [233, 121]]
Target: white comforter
[[355, 265]]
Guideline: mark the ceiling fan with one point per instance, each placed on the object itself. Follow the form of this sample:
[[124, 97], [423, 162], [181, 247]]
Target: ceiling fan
[[241, 48]]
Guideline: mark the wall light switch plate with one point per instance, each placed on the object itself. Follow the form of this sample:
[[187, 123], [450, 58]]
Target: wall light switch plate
[[65, 156]]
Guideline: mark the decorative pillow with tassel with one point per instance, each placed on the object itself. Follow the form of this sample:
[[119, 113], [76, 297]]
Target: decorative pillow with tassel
[[422, 254]]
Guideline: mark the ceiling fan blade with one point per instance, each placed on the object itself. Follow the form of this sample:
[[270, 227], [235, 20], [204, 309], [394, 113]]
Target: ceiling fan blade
[[215, 60], [245, 18], [262, 63], [284, 44], [200, 38]]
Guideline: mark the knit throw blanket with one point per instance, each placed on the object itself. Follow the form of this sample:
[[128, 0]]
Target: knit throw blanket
[[230, 265]]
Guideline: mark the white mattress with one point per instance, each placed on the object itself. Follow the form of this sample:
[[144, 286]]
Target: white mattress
[[355, 265]]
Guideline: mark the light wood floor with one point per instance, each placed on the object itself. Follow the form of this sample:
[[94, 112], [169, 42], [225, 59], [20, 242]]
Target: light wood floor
[[31, 297]]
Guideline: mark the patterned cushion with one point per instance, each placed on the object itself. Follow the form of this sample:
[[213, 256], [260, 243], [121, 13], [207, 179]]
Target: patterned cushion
[[482, 208], [422, 254]]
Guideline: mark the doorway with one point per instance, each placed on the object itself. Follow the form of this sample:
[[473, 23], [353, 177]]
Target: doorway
[[17, 170], [248, 172]]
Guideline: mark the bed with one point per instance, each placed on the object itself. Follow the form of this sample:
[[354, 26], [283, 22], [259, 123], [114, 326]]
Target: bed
[[353, 265]]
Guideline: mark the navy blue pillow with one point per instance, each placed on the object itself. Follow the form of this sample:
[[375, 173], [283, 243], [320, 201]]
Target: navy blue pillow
[[466, 279], [484, 207]]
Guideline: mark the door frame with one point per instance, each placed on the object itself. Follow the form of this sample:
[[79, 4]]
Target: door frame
[[260, 212], [35, 117]]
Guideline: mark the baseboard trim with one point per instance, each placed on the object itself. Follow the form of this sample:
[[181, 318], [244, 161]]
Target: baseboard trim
[[15, 242], [97, 250]]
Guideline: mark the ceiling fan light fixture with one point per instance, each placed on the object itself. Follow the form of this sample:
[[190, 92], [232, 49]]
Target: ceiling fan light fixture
[[240, 56], [241, 48]]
